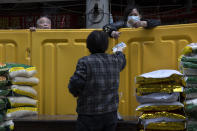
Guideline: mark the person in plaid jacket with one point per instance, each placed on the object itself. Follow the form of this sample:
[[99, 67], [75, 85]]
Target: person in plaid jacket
[[95, 84]]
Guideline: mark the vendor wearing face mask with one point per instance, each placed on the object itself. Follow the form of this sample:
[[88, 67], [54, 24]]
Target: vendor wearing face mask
[[132, 18]]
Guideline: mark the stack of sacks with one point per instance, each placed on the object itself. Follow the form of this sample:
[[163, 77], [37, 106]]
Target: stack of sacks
[[188, 66], [158, 93], [22, 96], [5, 125]]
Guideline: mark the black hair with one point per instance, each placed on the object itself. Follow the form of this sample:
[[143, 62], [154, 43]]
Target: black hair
[[97, 42], [128, 10]]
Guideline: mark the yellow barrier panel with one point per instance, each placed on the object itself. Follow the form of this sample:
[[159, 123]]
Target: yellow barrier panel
[[15, 46], [55, 54], [148, 50]]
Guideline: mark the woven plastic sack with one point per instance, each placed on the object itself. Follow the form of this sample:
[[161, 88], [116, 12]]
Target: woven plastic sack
[[7, 125], [24, 90], [10, 65], [189, 65], [145, 90], [4, 93], [22, 72], [150, 120], [191, 125], [191, 105], [192, 58], [190, 81], [191, 109], [3, 104], [21, 101], [191, 115], [18, 91], [159, 76], [189, 49], [19, 112], [190, 93], [31, 81], [2, 117], [4, 81], [159, 106], [190, 85], [158, 97], [189, 72], [3, 69], [142, 129], [164, 124], [153, 115]]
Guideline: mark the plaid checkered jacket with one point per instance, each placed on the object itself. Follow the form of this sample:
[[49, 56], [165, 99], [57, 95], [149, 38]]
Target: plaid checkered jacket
[[95, 82]]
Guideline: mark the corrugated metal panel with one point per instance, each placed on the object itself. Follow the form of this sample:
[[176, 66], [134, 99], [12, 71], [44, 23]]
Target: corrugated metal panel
[[15, 46]]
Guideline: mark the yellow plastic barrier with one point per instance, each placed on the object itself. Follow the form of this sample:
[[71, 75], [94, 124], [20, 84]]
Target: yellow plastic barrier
[[55, 53], [15, 46], [148, 50]]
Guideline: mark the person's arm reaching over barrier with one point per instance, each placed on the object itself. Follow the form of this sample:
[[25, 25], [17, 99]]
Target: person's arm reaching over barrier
[[132, 19]]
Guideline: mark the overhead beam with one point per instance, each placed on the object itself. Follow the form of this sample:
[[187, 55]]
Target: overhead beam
[[30, 1]]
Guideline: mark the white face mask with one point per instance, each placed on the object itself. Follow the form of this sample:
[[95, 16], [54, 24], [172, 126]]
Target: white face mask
[[134, 18]]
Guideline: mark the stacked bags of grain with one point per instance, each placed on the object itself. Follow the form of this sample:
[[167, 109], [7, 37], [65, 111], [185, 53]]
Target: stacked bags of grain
[[22, 99], [5, 125], [161, 108], [188, 66]]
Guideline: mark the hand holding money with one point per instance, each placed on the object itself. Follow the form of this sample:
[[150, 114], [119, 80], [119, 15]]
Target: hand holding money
[[119, 47]]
